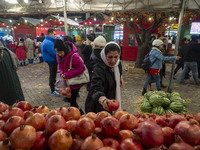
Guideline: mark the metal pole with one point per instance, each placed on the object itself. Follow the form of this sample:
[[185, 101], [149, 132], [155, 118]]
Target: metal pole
[[65, 16], [176, 45]]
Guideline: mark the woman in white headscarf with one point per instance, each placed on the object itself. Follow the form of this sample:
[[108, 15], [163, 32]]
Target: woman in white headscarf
[[106, 79]]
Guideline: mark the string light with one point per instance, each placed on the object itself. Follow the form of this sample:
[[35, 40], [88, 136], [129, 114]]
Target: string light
[[149, 18], [41, 20], [95, 19], [112, 18], [25, 21], [131, 19], [40, 1], [26, 1], [10, 20], [52, 1], [75, 19]]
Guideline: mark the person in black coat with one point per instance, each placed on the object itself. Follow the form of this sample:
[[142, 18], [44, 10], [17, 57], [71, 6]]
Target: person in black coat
[[106, 79]]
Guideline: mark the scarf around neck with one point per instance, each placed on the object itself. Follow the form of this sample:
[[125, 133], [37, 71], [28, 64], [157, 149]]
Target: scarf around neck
[[116, 73]]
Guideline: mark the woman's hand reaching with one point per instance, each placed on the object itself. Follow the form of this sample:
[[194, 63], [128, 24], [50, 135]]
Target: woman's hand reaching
[[103, 101]]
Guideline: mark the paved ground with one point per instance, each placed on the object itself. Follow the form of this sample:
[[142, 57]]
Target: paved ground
[[34, 81]]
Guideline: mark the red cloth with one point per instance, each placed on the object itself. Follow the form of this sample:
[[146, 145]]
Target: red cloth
[[21, 52], [154, 71]]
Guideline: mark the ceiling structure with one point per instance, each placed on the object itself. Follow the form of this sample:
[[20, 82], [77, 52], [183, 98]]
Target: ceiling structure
[[52, 6]]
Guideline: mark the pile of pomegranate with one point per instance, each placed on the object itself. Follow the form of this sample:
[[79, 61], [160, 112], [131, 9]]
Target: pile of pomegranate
[[23, 127]]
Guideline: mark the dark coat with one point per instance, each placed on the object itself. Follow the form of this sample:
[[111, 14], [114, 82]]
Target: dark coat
[[95, 56], [87, 51], [102, 84]]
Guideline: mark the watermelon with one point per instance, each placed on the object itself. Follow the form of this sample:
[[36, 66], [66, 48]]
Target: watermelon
[[155, 100], [176, 106], [158, 110], [168, 111], [146, 106], [148, 94], [176, 99], [184, 103], [162, 94], [175, 94], [165, 102]]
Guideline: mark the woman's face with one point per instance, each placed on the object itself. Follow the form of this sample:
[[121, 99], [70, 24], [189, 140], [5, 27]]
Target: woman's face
[[61, 53], [161, 46], [112, 58]]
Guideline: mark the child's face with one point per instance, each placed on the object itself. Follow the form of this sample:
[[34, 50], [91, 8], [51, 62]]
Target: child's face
[[61, 53]]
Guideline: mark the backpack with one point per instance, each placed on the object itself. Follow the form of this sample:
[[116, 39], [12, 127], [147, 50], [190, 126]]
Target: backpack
[[146, 64]]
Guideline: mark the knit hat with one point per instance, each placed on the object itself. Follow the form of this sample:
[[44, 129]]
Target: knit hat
[[90, 37], [78, 38], [100, 41], [59, 45], [157, 42]]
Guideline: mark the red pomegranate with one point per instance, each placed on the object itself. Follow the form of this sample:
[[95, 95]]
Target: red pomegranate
[[124, 134], [2, 123], [77, 142], [60, 140], [197, 117], [12, 123], [61, 110], [161, 120], [23, 137], [128, 144], [128, 122], [174, 119], [3, 135], [189, 132], [111, 142], [70, 126], [41, 142], [12, 111], [38, 121], [84, 127], [91, 115], [113, 105], [168, 134], [106, 148], [72, 113], [150, 134], [3, 107], [98, 132], [51, 113], [110, 126], [43, 110], [119, 113], [100, 116], [27, 114], [5, 144], [23, 105], [54, 123], [92, 143]]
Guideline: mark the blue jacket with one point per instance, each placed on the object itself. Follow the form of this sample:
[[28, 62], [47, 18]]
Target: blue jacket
[[155, 54], [48, 52]]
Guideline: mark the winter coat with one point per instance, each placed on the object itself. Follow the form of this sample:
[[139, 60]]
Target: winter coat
[[77, 64], [30, 46], [156, 54], [48, 52], [87, 51], [103, 84], [21, 51], [94, 56]]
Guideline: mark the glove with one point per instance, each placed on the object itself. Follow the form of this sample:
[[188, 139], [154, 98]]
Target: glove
[[103, 101]]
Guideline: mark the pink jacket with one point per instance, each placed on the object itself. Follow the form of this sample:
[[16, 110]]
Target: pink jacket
[[77, 65]]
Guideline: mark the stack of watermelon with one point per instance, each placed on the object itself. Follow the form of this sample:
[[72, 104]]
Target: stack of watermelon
[[160, 102]]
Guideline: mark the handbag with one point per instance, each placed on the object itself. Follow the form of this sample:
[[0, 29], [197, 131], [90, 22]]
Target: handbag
[[80, 79]]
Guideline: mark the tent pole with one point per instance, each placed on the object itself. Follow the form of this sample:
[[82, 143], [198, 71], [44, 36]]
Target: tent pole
[[177, 44], [65, 16]]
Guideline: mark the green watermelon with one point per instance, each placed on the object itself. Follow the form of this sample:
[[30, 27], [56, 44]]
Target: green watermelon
[[158, 110], [165, 102], [148, 94], [155, 100], [146, 106], [176, 106], [175, 94], [176, 99], [162, 94], [184, 103], [168, 111]]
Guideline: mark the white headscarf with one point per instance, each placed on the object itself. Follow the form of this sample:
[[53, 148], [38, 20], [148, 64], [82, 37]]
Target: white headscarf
[[116, 72]]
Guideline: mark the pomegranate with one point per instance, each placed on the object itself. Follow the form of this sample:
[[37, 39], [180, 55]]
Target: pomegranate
[[77, 142], [12, 111], [174, 119], [5, 144], [161, 120], [54, 123], [23, 105], [128, 144], [92, 143], [27, 114], [84, 127], [168, 134], [60, 140], [51, 113], [91, 115], [43, 110], [150, 134], [110, 126], [61, 110], [128, 121], [119, 113], [196, 117], [72, 113], [70, 126], [2, 123], [12, 123], [3, 107], [162, 147], [38, 121], [110, 142], [41, 142], [106, 148], [23, 137], [124, 134], [3, 135], [189, 132], [100, 116], [99, 133], [113, 105]]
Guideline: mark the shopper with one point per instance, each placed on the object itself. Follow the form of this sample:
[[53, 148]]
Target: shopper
[[64, 54], [30, 46], [79, 45], [20, 50], [10, 86], [106, 79], [49, 56], [157, 56]]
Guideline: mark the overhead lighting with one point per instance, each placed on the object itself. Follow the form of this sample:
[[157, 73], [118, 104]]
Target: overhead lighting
[[95, 19], [52, 1], [149, 18], [25, 21], [41, 20], [131, 19], [26, 1], [75, 19], [40, 1], [10, 20], [12, 1], [71, 1], [112, 18]]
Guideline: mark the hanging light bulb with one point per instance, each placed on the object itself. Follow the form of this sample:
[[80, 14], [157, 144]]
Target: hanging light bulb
[[75, 19], [25, 21], [95, 19], [71, 1], [59, 19], [26, 1], [52, 1], [40, 1], [131, 19], [149, 18], [10, 20], [41, 20], [112, 18]]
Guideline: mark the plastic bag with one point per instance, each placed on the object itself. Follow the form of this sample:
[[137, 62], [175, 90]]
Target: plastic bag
[[64, 88]]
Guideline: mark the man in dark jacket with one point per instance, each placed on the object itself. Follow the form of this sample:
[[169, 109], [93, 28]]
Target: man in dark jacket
[[49, 56], [191, 53]]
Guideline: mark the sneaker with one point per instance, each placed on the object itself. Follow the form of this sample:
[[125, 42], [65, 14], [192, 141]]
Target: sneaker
[[144, 91], [55, 93]]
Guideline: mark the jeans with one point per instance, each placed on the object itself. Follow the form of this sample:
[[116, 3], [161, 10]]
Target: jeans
[[52, 75], [156, 78], [190, 66], [198, 66], [30, 61]]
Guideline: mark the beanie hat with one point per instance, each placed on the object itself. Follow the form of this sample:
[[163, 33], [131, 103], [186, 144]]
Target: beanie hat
[[90, 37], [68, 38], [100, 41], [157, 42], [78, 38], [59, 45]]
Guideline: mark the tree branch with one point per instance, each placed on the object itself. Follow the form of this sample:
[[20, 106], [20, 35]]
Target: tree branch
[[131, 26]]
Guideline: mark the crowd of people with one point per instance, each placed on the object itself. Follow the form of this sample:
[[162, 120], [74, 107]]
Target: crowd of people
[[102, 60]]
